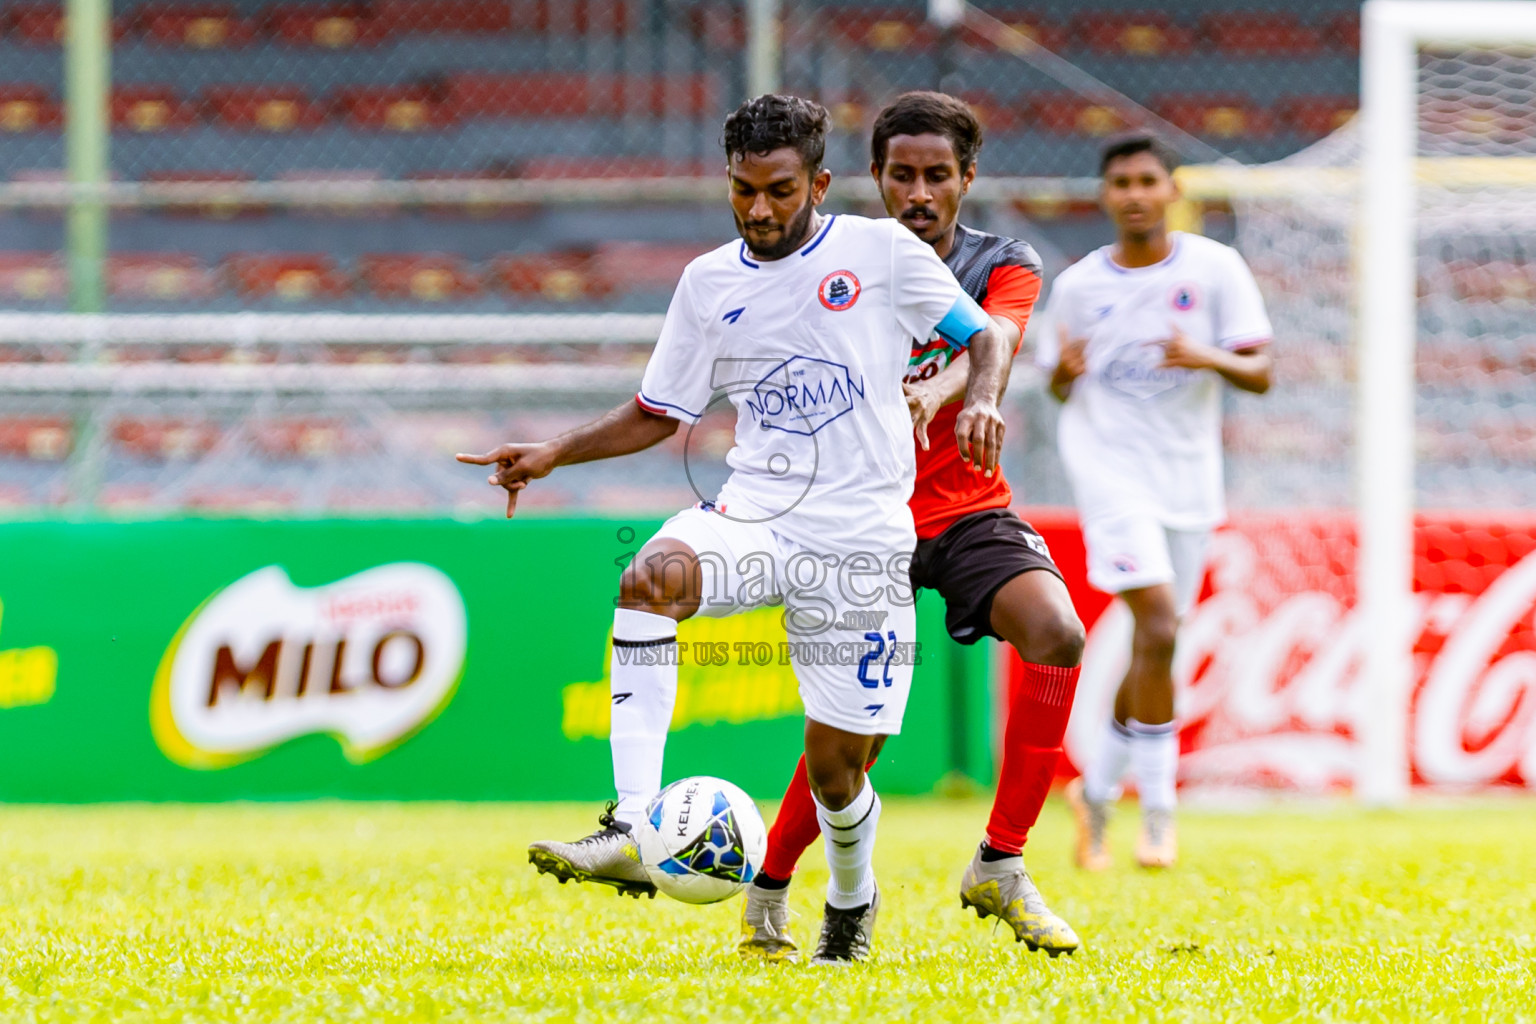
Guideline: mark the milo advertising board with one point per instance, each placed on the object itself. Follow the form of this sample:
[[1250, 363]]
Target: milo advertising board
[[218, 659]]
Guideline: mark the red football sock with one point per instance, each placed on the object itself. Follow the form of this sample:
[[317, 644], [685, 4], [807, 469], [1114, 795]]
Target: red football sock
[[795, 827], [1037, 721]]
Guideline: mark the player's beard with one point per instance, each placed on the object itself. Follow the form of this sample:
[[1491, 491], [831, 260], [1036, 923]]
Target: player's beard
[[793, 237]]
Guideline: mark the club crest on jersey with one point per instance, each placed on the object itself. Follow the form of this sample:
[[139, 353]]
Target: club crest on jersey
[[839, 290], [1184, 297]]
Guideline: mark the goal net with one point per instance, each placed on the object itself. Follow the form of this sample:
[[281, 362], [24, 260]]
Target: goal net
[[1378, 632]]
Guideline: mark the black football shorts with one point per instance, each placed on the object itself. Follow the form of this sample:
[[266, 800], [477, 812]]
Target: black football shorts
[[969, 563]]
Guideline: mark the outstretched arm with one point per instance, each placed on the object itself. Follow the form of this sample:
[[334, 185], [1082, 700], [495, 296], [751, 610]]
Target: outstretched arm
[[927, 397], [979, 427], [623, 431]]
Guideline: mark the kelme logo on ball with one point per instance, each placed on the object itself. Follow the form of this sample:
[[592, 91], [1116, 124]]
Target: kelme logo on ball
[[369, 659]]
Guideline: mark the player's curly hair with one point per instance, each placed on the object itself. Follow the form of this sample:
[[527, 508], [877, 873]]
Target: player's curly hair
[[772, 122], [928, 113]]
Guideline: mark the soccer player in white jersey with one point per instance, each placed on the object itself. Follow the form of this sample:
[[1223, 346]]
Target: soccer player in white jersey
[[1141, 338], [806, 324]]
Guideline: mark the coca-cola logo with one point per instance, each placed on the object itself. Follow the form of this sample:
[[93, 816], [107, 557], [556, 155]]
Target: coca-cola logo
[[1268, 668], [369, 659]]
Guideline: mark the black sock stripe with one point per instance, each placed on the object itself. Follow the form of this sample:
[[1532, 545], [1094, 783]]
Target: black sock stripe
[[643, 643], [850, 828]]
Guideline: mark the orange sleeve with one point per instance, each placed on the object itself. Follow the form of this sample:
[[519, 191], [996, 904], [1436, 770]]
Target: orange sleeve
[[1011, 294]]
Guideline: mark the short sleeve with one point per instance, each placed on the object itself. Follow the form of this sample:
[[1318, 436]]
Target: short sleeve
[[677, 379], [926, 296], [1011, 294], [1241, 321]]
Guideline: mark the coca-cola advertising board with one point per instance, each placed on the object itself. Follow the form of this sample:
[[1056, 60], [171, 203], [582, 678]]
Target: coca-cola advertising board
[[1268, 667]]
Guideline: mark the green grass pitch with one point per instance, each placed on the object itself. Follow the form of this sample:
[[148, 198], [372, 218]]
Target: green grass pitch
[[430, 912]]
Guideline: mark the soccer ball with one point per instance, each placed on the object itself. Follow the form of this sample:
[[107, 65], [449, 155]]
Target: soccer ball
[[702, 840]]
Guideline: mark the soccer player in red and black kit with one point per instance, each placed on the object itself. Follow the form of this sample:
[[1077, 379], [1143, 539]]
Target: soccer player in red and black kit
[[992, 569]]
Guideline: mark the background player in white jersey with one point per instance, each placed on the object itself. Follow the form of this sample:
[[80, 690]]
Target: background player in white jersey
[[1141, 336], [806, 324]]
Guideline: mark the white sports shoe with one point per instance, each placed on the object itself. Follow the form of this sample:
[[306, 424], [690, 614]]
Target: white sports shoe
[[765, 926], [608, 856], [846, 934]]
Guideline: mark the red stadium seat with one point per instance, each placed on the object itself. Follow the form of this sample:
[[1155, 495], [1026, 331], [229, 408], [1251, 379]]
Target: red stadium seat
[[443, 17], [419, 277], [198, 26], [1050, 35], [150, 108], [1214, 115], [32, 276], [290, 277], [165, 438], [331, 26], [41, 438], [395, 108], [893, 29], [28, 108], [643, 266], [1316, 116], [566, 168], [265, 108], [1253, 34], [1070, 114], [562, 277], [160, 275], [719, 24], [42, 24], [574, 17], [1133, 33], [1342, 32], [998, 115], [476, 94]]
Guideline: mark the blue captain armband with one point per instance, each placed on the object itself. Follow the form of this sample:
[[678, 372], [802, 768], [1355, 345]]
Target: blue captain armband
[[962, 321]]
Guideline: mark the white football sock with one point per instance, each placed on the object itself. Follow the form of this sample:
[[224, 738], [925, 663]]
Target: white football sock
[[850, 845], [1155, 763], [643, 682], [1106, 765]]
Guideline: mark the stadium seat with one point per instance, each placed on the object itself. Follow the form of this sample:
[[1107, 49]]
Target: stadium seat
[[479, 94], [150, 108], [264, 108], [1214, 115], [643, 266], [32, 276], [1050, 35], [197, 26], [894, 29], [564, 168], [1315, 116], [40, 438], [42, 24], [161, 276], [288, 277], [28, 108], [395, 108], [165, 438], [1132, 33], [998, 115], [719, 24], [418, 277], [561, 277], [442, 17], [1070, 114], [330, 26], [1255, 34], [1342, 32]]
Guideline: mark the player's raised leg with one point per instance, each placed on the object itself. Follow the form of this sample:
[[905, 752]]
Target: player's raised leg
[[661, 587], [1033, 612]]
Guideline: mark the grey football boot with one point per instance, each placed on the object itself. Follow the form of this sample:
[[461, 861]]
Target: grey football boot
[[846, 934], [608, 856], [765, 926], [1003, 889]]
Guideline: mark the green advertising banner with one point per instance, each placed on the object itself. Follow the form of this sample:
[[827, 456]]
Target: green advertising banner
[[230, 659]]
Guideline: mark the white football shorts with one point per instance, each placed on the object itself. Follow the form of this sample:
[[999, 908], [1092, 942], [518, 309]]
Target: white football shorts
[[1131, 552], [849, 618]]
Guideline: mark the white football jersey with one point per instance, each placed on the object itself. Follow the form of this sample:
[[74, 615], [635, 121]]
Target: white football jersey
[[1137, 438], [811, 350]]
